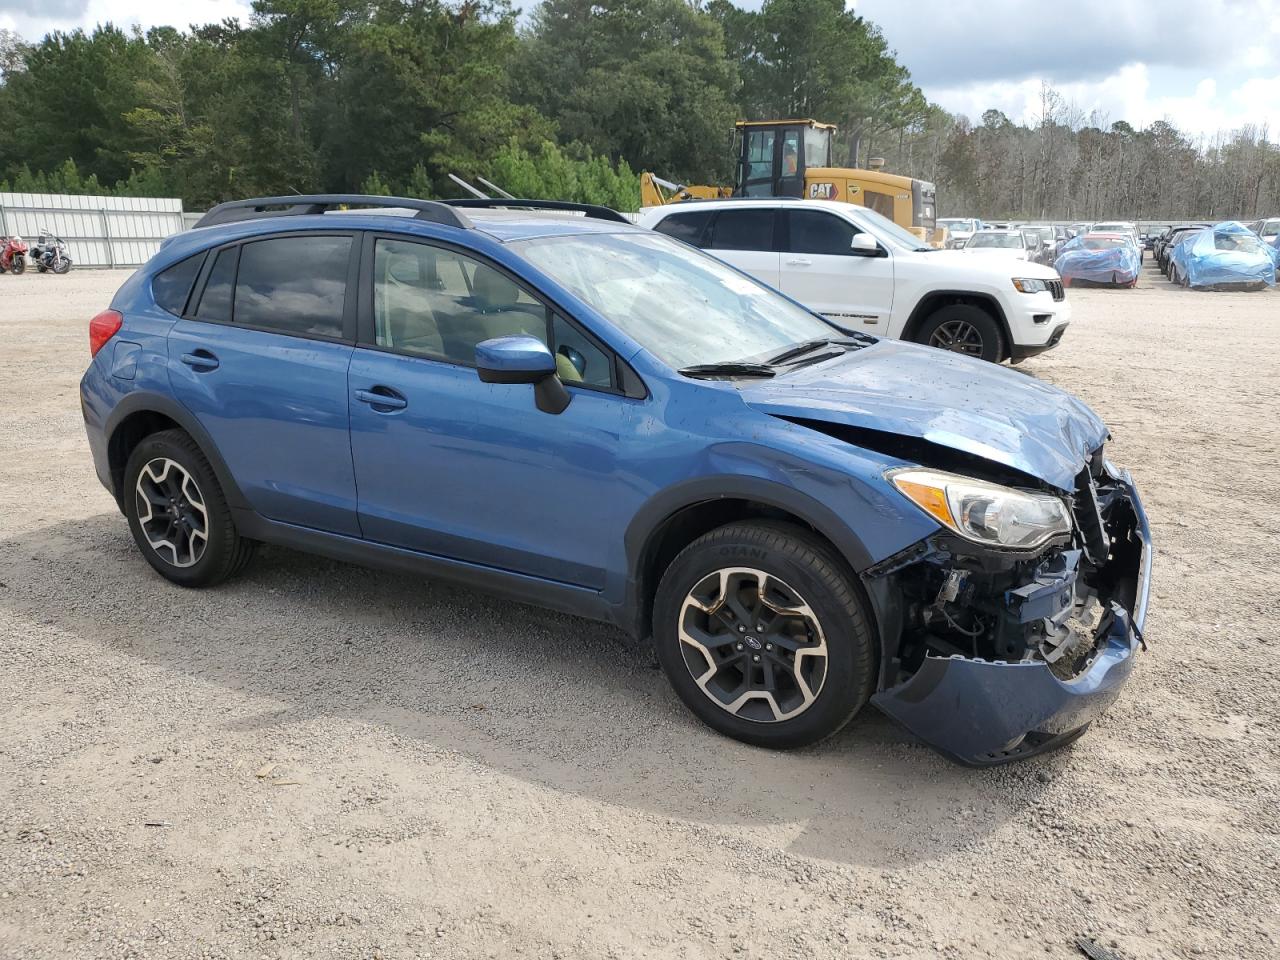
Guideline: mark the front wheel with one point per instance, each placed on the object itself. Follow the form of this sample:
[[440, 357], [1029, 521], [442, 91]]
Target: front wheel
[[178, 515], [19, 265], [966, 329], [764, 635], [62, 265]]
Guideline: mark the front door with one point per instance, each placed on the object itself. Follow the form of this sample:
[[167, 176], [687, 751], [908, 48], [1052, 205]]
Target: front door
[[820, 269], [261, 362], [474, 471]]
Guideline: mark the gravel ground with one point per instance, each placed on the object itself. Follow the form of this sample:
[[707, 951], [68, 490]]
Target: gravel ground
[[320, 760]]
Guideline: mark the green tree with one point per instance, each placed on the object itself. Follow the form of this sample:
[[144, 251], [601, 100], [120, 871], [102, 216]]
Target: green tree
[[644, 80]]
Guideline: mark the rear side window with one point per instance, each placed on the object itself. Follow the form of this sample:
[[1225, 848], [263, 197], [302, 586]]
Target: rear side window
[[742, 230], [685, 226], [215, 302], [820, 233], [294, 285], [171, 286]]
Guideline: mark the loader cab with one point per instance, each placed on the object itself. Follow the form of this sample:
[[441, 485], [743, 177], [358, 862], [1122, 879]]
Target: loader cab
[[774, 155]]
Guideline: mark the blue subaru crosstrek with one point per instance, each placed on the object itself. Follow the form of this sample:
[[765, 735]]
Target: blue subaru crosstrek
[[542, 400]]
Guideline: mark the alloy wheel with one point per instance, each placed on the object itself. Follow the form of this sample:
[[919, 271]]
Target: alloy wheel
[[171, 512], [752, 644], [960, 336]]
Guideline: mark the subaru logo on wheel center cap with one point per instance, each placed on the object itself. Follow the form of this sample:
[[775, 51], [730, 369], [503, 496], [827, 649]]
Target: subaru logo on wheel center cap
[[752, 642]]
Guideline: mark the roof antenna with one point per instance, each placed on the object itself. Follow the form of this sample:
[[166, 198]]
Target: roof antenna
[[468, 187], [494, 187]]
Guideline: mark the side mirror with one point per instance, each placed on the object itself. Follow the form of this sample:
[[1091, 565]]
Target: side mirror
[[523, 359], [864, 245]]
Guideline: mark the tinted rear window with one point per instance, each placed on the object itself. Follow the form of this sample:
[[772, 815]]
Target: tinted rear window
[[294, 285], [685, 226], [171, 286], [215, 302], [742, 230]]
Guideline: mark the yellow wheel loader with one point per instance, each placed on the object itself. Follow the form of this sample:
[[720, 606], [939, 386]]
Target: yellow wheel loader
[[792, 158]]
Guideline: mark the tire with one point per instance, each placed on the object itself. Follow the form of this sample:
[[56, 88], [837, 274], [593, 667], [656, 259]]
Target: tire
[[811, 602], [41, 268], [62, 266], [205, 549], [965, 329], [19, 265]]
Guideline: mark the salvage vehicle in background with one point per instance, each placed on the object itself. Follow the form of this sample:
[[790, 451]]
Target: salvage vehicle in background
[[1126, 227], [575, 412], [1226, 256], [1103, 259], [1042, 242], [861, 271], [1268, 230], [1165, 242], [1008, 244], [958, 231]]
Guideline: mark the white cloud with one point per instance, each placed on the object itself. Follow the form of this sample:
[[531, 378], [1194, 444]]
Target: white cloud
[[32, 20]]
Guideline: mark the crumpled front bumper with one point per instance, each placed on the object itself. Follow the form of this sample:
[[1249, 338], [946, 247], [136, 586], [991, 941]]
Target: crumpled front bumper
[[983, 713]]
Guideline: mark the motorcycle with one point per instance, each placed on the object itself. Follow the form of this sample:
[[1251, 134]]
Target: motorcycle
[[50, 253], [13, 254]]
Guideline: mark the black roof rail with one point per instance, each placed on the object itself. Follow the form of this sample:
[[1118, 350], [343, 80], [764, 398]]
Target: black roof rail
[[297, 206], [594, 210]]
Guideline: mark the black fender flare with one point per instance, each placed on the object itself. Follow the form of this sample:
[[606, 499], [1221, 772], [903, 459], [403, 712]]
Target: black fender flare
[[145, 401]]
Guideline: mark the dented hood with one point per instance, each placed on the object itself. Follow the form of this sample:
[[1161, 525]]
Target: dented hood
[[954, 401]]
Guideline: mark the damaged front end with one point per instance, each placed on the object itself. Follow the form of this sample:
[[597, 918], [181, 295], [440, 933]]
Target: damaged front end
[[994, 655]]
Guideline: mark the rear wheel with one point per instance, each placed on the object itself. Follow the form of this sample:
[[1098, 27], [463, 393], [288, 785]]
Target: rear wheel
[[966, 329], [178, 515], [763, 634]]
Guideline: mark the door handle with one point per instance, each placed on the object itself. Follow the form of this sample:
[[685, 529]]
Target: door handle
[[200, 360], [382, 399], [800, 262]]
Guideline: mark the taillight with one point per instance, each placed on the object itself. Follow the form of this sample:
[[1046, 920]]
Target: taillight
[[102, 328]]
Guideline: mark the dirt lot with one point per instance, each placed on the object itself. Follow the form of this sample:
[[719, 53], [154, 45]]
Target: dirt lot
[[320, 760]]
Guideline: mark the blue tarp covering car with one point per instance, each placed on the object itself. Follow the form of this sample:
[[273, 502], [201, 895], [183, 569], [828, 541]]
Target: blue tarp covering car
[[1227, 254], [1099, 258]]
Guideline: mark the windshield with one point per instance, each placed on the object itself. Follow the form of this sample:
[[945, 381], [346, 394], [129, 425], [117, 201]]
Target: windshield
[[888, 231], [1002, 240], [681, 305], [1241, 242]]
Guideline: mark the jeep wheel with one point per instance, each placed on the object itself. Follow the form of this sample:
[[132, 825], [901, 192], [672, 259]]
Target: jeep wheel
[[964, 329], [178, 515], [763, 634]]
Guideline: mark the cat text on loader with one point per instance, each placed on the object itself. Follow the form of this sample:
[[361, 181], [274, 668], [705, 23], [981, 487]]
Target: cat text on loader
[[792, 158]]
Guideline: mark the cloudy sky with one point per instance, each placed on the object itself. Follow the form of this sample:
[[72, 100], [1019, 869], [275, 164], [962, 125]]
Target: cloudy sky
[[1207, 65]]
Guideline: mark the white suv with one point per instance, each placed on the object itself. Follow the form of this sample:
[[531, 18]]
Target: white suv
[[862, 271]]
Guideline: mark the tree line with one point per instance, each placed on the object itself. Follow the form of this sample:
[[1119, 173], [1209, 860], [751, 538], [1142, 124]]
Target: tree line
[[569, 102]]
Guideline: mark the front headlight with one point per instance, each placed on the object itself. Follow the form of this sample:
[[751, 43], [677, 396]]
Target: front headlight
[[1029, 285], [985, 513]]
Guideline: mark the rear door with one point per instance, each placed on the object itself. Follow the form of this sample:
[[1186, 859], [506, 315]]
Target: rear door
[[260, 358], [820, 269], [745, 237]]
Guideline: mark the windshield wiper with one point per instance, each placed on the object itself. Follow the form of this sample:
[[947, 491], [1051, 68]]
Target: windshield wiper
[[808, 346], [729, 368]]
